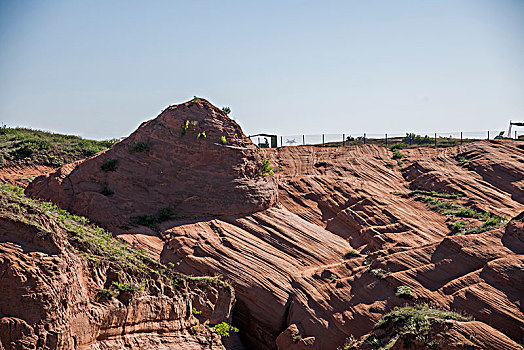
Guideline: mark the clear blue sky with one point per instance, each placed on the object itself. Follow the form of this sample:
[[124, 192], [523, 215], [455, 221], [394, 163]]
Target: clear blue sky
[[99, 68]]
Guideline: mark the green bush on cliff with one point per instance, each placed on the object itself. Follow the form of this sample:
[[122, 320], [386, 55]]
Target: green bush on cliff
[[224, 328], [416, 321]]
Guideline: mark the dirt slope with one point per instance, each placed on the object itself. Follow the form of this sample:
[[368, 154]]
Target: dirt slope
[[347, 231]]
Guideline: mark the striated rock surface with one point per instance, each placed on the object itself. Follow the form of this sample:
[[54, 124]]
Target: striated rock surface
[[351, 226], [191, 160], [59, 289]]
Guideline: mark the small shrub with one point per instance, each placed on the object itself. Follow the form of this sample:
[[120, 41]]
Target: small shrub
[[297, 338], [109, 165], [223, 329], [374, 341], [266, 168], [139, 146], [201, 134], [144, 220], [351, 254], [397, 155], [416, 321], [462, 161], [404, 292], [390, 165], [399, 163], [106, 191], [223, 139], [105, 293], [195, 99], [226, 110], [398, 146], [456, 225], [163, 214], [379, 273], [194, 311], [126, 287], [185, 127]]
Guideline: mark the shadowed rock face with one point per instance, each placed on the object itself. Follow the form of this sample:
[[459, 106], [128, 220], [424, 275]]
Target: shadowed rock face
[[192, 159]]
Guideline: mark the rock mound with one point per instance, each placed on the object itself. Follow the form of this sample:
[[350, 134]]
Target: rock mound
[[190, 161]]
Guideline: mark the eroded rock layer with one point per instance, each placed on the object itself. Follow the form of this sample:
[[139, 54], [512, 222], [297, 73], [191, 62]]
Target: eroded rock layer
[[68, 285], [291, 267], [353, 233]]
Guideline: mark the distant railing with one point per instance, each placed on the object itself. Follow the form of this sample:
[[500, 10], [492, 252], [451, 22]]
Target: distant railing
[[440, 139]]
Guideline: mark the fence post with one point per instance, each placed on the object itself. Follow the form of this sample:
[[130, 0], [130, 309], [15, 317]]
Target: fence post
[[461, 137], [303, 140], [364, 138], [343, 140], [515, 135], [281, 142], [488, 134], [386, 140], [322, 139], [435, 140]]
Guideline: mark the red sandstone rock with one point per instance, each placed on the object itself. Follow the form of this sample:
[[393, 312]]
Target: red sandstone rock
[[287, 260], [195, 160]]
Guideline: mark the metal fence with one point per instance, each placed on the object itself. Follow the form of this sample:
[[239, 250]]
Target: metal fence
[[387, 139]]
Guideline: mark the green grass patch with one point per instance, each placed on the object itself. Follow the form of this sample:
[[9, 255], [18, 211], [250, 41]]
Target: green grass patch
[[435, 194], [397, 146], [22, 146], [457, 225], [489, 221], [397, 155]]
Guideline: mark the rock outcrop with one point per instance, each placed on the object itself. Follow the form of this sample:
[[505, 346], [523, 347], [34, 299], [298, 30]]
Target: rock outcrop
[[191, 161], [59, 289], [352, 235]]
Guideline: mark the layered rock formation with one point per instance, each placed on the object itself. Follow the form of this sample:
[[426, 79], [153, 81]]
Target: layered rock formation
[[192, 160], [349, 228], [59, 289]]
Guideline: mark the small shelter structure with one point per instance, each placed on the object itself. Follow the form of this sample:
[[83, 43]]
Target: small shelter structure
[[265, 140]]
